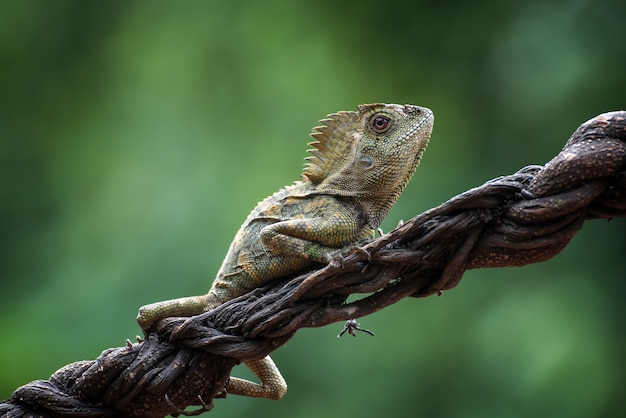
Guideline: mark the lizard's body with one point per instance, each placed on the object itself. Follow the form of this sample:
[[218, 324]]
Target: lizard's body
[[361, 163]]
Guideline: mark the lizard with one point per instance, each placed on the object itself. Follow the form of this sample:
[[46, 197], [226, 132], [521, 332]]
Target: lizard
[[360, 164]]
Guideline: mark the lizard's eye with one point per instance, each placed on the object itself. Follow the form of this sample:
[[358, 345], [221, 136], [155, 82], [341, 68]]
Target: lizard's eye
[[380, 124]]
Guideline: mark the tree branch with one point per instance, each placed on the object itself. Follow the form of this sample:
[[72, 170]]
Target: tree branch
[[524, 218]]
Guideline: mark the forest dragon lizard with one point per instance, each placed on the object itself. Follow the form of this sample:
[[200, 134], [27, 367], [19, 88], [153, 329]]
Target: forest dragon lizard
[[360, 164]]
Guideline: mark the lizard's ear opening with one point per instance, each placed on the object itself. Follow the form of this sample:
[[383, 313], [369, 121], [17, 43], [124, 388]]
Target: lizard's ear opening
[[366, 161]]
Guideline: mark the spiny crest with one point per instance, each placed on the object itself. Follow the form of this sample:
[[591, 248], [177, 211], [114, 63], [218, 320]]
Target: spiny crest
[[334, 141]]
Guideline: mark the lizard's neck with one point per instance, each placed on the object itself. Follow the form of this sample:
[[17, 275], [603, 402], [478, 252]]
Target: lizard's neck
[[376, 208], [377, 205]]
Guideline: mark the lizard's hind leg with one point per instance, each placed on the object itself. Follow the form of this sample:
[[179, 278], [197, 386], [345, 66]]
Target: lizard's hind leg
[[272, 386]]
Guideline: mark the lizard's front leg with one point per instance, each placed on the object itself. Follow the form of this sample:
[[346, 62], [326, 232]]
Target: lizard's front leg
[[189, 306], [318, 239]]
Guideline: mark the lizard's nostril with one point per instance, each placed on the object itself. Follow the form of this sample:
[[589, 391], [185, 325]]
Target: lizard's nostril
[[413, 110]]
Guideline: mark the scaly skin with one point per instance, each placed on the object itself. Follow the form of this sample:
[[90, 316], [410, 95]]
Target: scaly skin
[[361, 162]]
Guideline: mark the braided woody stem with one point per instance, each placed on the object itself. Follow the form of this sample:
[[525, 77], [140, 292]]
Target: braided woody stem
[[524, 218]]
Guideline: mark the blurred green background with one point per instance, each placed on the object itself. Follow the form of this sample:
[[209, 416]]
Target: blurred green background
[[135, 137]]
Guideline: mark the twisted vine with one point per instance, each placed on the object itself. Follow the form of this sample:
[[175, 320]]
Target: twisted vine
[[513, 220]]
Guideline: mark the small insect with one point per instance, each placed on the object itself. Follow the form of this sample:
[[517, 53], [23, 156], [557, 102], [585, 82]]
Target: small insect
[[351, 326]]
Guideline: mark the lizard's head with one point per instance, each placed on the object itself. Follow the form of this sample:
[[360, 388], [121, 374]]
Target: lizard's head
[[369, 153]]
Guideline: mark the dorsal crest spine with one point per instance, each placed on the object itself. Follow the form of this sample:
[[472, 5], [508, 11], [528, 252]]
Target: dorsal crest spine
[[335, 139]]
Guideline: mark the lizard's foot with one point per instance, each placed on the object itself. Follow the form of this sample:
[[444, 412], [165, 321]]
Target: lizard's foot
[[363, 251], [221, 394], [204, 407], [339, 259]]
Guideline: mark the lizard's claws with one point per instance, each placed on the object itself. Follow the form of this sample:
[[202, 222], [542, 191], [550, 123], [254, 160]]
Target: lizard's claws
[[351, 326], [340, 259], [223, 393], [363, 251], [204, 408], [337, 261]]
